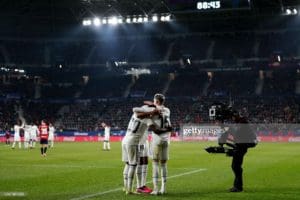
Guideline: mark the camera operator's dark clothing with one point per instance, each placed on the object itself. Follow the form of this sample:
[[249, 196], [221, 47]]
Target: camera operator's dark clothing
[[236, 165], [242, 138]]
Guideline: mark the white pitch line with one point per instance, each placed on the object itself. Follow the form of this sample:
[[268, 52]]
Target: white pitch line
[[117, 189]]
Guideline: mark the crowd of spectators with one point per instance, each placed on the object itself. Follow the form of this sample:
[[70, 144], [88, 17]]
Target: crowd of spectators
[[218, 46], [189, 96], [88, 115]]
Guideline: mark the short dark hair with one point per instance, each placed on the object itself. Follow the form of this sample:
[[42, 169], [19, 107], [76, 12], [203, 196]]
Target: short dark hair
[[160, 97]]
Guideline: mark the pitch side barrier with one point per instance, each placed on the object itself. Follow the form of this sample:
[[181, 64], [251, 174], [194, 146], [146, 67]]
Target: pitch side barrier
[[189, 132]]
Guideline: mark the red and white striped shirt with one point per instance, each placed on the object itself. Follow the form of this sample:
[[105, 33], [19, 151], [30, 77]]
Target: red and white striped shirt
[[44, 131]]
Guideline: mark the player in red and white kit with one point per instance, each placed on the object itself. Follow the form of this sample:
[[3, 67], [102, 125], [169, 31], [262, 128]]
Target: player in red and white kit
[[44, 134]]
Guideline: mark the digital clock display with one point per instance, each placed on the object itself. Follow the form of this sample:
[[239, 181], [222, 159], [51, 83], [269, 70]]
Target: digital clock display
[[203, 5]]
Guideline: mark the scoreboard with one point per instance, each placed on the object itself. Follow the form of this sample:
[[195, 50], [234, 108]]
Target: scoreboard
[[208, 5]]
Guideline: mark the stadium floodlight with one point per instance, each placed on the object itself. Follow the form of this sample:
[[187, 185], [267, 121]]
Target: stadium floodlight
[[120, 21], [146, 19], [97, 21], [86, 22], [279, 58], [140, 19], [128, 20], [168, 18], [162, 18], [104, 21], [295, 11], [155, 18], [134, 20], [188, 61], [113, 20], [288, 11]]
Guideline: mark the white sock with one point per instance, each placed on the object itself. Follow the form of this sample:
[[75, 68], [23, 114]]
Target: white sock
[[13, 145], [125, 175], [155, 172], [139, 176], [164, 173], [131, 172], [144, 174], [52, 143], [108, 145], [20, 145], [33, 144]]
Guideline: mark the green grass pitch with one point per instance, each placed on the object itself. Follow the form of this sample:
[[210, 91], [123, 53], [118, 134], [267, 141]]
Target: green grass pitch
[[74, 170]]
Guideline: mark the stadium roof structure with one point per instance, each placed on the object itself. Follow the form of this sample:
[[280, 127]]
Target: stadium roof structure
[[19, 17]]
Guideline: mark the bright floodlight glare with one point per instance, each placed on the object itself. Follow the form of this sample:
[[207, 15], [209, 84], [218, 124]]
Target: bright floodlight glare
[[279, 58], [86, 22], [134, 20], [140, 19], [162, 18], [104, 21], [167, 18], [189, 61], [154, 18], [128, 20], [295, 11], [113, 20], [120, 21], [96, 21], [145, 19], [288, 11]]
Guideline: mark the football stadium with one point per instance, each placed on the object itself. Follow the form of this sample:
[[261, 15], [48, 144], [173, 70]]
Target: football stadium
[[149, 99]]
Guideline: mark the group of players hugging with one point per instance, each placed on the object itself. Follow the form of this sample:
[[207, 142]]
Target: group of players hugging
[[31, 133], [152, 117]]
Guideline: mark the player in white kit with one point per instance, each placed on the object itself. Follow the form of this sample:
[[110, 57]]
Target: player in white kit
[[106, 144], [160, 146], [51, 135], [33, 135], [138, 126], [17, 137], [27, 130]]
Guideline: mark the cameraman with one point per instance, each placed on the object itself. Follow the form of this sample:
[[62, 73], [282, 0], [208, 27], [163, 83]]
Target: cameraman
[[240, 137]]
